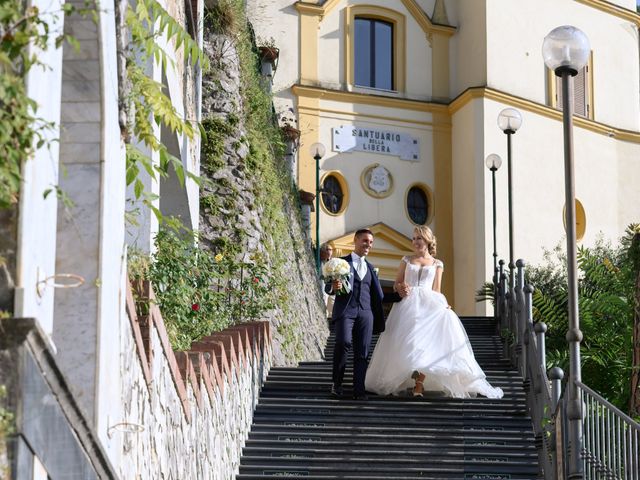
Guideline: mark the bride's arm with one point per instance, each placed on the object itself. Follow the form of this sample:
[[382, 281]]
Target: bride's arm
[[437, 282], [399, 285]]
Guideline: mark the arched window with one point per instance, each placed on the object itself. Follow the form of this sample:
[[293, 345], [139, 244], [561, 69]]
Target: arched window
[[334, 194], [419, 204], [373, 53]]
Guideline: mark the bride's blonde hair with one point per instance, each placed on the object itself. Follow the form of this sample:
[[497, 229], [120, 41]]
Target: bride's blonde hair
[[428, 236]]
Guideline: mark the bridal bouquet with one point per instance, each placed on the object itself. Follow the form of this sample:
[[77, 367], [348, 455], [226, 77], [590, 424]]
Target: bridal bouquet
[[337, 269]]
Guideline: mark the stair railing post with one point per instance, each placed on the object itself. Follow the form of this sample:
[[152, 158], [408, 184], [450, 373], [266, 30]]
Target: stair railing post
[[496, 293], [509, 341], [512, 310], [528, 330], [541, 328], [501, 293], [520, 320], [555, 375]]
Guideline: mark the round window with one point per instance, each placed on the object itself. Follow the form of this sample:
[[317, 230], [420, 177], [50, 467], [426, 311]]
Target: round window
[[418, 205], [332, 194]]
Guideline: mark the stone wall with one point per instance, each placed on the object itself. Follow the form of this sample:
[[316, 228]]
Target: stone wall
[[299, 320], [187, 414]]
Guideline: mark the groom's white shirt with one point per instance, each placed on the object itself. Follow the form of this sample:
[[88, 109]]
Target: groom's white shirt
[[359, 266]]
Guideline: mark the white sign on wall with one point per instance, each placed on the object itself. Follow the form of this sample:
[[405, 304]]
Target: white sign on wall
[[349, 138]]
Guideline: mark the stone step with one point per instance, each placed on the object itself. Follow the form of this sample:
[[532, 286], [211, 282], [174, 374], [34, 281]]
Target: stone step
[[364, 461], [346, 468], [322, 388], [400, 404], [441, 475], [392, 408], [447, 446], [300, 431], [328, 429]]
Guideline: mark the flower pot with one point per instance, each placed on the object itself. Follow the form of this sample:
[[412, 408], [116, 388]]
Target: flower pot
[[290, 133], [269, 54]]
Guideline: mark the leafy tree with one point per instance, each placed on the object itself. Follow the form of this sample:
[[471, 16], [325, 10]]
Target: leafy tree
[[606, 299], [609, 309]]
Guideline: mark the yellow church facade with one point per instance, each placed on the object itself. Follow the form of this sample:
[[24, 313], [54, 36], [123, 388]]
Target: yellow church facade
[[405, 94]]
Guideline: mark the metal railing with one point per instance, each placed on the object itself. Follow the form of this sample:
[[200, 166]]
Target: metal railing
[[609, 441]]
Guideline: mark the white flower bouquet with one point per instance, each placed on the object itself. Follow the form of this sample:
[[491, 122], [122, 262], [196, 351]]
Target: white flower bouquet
[[337, 269]]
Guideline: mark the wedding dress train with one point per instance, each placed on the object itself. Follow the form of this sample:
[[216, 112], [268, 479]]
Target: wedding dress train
[[423, 334]]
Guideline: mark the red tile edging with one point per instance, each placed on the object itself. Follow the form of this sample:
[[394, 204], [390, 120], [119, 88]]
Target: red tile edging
[[207, 362]]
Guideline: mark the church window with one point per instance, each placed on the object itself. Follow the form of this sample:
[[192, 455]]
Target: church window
[[419, 204], [373, 53], [334, 193], [375, 48]]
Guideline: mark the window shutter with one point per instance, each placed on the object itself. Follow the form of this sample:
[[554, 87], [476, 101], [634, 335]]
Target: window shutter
[[580, 103], [580, 92]]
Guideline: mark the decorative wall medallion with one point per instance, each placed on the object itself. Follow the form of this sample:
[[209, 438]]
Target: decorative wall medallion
[[377, 181]]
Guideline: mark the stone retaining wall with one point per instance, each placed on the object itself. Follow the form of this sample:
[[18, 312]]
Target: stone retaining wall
[[187, 413]]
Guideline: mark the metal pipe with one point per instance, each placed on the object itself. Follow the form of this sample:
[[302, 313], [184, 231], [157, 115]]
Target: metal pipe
[[495, 248], [574, 335], [317, 158]]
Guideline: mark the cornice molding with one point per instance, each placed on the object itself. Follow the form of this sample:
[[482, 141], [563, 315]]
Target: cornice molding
[[425, 22], [416, 12], [459, 102], [367, 99], [315, 9], [544, 110], [618, 11]]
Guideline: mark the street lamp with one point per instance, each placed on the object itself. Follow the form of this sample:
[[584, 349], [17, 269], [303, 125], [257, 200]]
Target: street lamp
[[509, 121], [317, 152], [565, 51], [493, 163]]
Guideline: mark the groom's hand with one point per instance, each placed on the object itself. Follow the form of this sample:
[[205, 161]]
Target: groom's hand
[[336, 285]]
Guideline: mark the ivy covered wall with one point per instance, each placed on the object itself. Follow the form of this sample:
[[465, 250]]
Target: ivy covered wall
[[248, 206]]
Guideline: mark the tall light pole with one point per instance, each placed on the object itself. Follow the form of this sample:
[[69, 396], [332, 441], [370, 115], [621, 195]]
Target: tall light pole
[[509, 121], [317, 152], [493, 163], [565, 51]]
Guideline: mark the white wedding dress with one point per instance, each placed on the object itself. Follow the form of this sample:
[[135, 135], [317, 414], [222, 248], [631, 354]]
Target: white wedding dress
[[423, 334]]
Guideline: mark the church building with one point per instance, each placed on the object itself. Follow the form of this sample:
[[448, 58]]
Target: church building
[[405, 95]]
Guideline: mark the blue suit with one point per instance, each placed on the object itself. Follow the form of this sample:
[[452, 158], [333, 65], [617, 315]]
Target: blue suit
[[356, 315]]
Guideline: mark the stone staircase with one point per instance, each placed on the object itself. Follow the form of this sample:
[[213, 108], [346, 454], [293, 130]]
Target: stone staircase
[[300, 431]]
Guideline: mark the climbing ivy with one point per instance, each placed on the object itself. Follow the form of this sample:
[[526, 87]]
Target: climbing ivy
[[275, 197]]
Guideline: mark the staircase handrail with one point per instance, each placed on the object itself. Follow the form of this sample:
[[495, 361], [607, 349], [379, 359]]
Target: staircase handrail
[[610, 441]]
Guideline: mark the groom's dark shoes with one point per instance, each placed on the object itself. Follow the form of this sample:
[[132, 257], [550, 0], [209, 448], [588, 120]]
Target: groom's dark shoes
[[360, 396], [336, 391]]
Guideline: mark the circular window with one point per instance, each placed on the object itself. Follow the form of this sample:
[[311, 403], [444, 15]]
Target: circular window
[[581, 220], [419, 204], [334, 194]]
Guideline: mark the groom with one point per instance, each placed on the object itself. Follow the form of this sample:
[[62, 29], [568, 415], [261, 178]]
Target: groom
[[356, 315]]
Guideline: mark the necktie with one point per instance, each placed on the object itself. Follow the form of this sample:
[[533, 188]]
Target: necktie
[[361, 268]]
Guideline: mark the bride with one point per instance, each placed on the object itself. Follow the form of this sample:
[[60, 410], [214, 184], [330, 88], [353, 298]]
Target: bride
[[424, 345]]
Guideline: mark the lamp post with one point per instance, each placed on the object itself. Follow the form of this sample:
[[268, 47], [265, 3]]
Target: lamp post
[[565, 51], [493, 163], [509, 121], [317, 152]]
